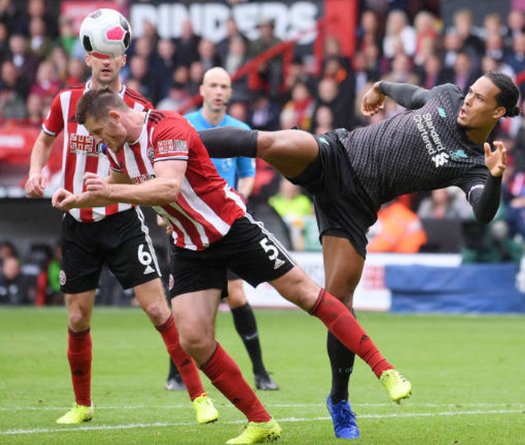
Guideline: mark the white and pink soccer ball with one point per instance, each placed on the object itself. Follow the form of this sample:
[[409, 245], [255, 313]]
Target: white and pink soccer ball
[[105, 33]]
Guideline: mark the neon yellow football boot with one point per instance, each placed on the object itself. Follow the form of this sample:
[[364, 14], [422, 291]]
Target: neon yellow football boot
[[204, 409], [258, 432], [398, 387], [78, 414]]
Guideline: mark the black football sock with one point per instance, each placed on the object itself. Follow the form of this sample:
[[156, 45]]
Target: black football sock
[[342, 364], [246, 326], [229, 142], [174, 372]]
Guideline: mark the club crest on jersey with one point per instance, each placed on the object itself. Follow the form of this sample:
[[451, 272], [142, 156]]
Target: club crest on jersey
[[62, 278], [458, 154], [172, 146], [151, 153], [84, 143]]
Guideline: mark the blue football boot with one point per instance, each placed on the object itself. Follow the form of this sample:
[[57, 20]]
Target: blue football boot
[[345, 426]]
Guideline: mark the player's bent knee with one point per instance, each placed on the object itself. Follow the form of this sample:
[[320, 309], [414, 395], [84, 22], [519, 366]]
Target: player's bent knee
[[158, 313]]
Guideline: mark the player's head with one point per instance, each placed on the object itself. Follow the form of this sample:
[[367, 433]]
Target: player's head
[[101, 111], [105, 72], [216, 90], [491, 97]]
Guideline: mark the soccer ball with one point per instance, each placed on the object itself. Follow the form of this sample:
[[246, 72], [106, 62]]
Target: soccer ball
[[105, 33]]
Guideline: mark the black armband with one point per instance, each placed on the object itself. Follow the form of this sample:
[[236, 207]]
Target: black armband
[[229, 142], [485, 200]]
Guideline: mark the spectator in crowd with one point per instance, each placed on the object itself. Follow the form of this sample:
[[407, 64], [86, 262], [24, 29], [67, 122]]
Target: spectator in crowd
[[402, 70], [224, 47], [139, 72], [452, 43], [400, 37], [177, 98], [288, 119], [269, 74], [323, 120], [7, 250], [67, 38], [329, 94], [4, 43], [302, 104], [445, 203], [25, 61], [13, 92], [515, 26], [426, 34], [162, 67], [36, 9], [264, 114], [39, 41], [471, 43], [516, 58], [196, 74], [76, 72], [187, 44], [14, 286], [60, 60], [464, 73], [207, 54], [494, 46], [236, 55], [290, 201], [368, 32], [398, 229], [492, 24], [36, 111], [47, 84], [433, 73], [9, 15]]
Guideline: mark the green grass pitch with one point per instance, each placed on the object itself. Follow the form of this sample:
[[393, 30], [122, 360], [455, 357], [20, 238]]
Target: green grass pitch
[[468, 376]]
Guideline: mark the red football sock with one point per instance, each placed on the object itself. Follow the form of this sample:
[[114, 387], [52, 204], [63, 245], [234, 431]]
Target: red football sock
[[340, 322], [226, 376], [185, 364], [79, 356]]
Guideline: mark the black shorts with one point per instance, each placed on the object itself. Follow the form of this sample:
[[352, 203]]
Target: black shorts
[[249, 250], [342, 207], [121, 241]]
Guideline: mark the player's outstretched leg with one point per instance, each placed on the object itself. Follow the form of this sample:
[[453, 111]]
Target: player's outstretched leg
[[298, 288], [288, 151]]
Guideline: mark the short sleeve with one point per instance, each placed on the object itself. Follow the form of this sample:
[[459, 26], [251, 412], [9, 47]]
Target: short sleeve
[[54, 122], [172, 139]]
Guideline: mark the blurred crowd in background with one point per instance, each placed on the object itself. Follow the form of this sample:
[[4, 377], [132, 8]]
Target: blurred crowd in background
[[40, 54]]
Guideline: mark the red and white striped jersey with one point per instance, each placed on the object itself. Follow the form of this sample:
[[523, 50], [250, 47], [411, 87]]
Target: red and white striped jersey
[[80, 153], [206, 206]]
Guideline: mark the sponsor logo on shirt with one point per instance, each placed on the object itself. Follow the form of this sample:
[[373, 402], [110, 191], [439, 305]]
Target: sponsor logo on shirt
[[172, 146], [440, 159], [81, 143]]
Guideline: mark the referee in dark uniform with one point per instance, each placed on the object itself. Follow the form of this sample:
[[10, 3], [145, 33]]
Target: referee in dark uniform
[[439, 141]]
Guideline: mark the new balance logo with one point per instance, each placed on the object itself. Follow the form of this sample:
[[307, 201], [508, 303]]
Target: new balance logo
[[440, 159]]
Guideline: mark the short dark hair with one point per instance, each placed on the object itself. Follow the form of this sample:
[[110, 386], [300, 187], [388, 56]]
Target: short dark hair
[[508, 95], [96, 103]]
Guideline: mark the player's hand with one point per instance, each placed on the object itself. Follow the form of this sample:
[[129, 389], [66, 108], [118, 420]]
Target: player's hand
[[373, 101], [35, 185], [96, 186], [63, 200], [496, 161], [162, 223]]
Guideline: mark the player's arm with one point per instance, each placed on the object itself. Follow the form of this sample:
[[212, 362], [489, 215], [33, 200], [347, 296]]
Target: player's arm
[[485, 198], [405, 94], [36, 183]]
